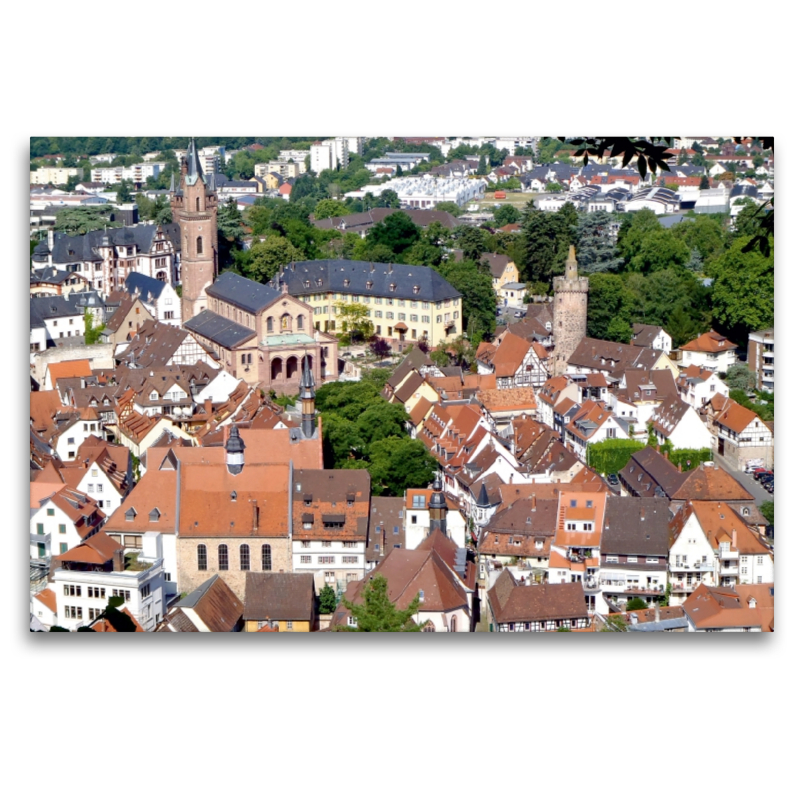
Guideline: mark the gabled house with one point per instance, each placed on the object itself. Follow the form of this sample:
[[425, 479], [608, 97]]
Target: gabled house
[[634, 551], [681, 424], [437, 572], [287, 602], [697, 385], [740, 434], [613, 358], [516, 608], [554, 391], [591, 424], [639, 394], [711, 350], [740, 609], [330, 518], [516, 362], [211, 608], [61, 521]]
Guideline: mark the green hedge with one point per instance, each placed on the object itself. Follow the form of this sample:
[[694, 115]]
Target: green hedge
[[694, 458], [612, 454]]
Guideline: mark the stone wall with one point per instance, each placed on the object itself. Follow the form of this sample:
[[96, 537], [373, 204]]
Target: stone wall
[[189, 577], [100, 356]]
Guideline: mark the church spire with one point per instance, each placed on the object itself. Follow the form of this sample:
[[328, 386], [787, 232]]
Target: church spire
[[194, 168], [308, 399]]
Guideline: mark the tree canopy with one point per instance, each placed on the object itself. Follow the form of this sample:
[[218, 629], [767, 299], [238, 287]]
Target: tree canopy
[[377, 613]]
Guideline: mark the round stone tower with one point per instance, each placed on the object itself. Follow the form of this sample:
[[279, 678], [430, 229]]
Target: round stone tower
[[569, 313]]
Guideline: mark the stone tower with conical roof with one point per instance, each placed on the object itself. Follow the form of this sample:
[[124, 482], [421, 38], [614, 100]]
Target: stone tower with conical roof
[[569, 313], [194, 208]]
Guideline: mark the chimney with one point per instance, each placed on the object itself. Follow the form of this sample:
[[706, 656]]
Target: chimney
[[118, 560], [207, 405], [658, 612]]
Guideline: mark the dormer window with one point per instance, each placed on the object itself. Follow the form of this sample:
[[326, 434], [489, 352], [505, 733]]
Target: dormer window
[[369, 284], [307, 284], [346, 282], [130, 515], [392, 287], [416, 290], [155, 515], [154, 395]]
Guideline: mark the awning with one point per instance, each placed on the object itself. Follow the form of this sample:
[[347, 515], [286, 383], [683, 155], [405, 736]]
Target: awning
[[401, 326]]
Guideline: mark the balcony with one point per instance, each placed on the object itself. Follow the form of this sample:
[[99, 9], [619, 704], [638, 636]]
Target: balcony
[[702, 566], [730, 570], [730, 555], [684, 587]]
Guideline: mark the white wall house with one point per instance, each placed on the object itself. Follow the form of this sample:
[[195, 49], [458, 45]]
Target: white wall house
[[692, 559], [681, 424], [418, 522], [81, 596], [61, 521], [711, 351], [697, 386], [73, 435]]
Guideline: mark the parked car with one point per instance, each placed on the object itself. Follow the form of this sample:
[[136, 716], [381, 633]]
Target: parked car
[[612, 479], [519, 314], [766, 477], [770, 487], [758, 471]]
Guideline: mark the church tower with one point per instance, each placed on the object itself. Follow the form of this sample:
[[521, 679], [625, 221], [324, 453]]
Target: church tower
[[307, 400], [569, 312], [194, 208]]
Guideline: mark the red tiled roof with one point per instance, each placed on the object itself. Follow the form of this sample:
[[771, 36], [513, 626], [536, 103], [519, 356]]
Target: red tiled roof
[[711, 342]]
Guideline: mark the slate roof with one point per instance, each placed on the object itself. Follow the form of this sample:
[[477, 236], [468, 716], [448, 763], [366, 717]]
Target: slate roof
[[277, 596], [71, 249], [218, 329], [644, 335], [648, 469], [144, 284], [242, 292], [329, 275], [44, 308], [216, 605]]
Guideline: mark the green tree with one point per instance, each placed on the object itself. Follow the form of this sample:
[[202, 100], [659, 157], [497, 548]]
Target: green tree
[[327, 600], [506, 215], [554, 186], [330, 208], [354, 321], [635, 604], [397, 232], [93, 332], [739, 376], [632, 232], [267, 257], [658, 250], [702, 232], [768, 510], [397, 464], [77, 221], [743, 293], [472, 241], [377, 613], [609, 299], [124, 193], [477, 294], [449, 206], [440, 356], [382, 421], [386, 199], [596, 250], [704, 184], [482, 168]]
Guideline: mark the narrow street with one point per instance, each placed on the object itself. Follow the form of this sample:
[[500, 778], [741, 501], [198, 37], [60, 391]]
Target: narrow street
[[746, 481]]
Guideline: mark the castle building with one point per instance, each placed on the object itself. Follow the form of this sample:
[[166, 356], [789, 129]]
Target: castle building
[[194, 208], [569, 313]]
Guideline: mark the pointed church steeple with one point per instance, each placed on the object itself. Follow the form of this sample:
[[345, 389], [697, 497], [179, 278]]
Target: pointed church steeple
[[483, 497], [308, 399], [194, 169]]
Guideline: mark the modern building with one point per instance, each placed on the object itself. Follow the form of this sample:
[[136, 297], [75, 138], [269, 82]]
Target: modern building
[[761, 358]]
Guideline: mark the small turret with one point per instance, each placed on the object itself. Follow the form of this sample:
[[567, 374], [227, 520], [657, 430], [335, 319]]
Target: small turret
[[571, 265], [483, 497], [437, 508], [308, 400], [234, 451]]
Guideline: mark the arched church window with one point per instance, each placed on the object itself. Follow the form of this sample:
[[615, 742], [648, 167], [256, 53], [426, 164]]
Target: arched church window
[[197, 204], [199, 245]]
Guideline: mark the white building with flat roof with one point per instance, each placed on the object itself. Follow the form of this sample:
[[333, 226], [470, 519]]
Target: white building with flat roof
[[425, 191]]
